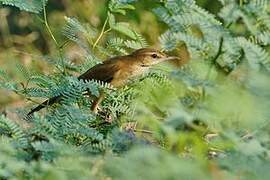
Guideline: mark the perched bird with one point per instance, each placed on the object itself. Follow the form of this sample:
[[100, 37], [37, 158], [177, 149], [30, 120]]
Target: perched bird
[[117, 71]]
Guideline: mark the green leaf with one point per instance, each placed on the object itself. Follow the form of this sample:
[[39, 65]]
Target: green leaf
[[82, 34], [24, 71], [111, 20], [124, 28], [118, 7], [3, 75], [34, 6]]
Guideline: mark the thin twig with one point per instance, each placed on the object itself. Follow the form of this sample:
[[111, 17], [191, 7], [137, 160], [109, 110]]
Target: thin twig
[[241, 3], [213, 62], [102, 32], [107, 30], [47, 24], [219, 50], [64, 44], [59, 47], [143, 131]]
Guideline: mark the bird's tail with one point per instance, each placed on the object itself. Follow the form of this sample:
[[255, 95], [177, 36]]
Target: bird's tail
[[48, 102]]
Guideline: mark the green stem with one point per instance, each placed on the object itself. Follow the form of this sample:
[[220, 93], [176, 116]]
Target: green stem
[[59, 47], [47, 25], [213, 62], [102, 32], [241, 3]]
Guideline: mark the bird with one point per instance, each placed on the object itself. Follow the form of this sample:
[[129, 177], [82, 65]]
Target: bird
[[117, 71]]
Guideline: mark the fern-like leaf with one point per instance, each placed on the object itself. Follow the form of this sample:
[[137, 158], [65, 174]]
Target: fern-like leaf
[[34, 6]]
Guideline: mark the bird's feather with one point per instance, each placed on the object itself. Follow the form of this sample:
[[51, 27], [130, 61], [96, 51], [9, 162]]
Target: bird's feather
[[101, 72]]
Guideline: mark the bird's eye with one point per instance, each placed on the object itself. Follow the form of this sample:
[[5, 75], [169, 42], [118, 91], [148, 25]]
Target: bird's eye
[[154, 56]]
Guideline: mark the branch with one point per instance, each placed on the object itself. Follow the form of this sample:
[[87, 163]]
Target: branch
[[59, 47], [47, 24], [219, 51], [102, 32], [213, 62]]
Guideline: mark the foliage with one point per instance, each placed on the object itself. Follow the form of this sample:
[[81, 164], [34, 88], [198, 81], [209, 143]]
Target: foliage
[[34, 6], [207, 119]]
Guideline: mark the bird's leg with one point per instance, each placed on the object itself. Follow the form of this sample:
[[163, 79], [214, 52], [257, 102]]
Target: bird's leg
[[96, 102], [96, 109]]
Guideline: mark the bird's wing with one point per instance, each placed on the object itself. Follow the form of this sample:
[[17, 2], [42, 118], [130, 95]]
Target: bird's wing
[[102, 72]]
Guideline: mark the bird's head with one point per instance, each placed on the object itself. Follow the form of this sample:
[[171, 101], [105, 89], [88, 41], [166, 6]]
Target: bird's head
[[147, 57]]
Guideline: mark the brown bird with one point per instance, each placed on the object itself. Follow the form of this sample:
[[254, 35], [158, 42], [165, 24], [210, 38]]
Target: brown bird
[[117, 71]]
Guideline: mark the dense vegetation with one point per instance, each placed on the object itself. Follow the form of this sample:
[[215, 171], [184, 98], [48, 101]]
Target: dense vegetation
[[203, 117]]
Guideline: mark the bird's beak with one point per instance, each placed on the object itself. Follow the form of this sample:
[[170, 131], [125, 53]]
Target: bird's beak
[[170, 58]]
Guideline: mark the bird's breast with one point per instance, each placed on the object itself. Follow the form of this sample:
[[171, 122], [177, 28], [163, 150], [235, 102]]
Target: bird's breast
[[126, 74]]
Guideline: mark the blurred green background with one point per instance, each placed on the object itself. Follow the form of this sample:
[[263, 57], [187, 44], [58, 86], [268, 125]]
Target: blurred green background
[[231, 105]]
